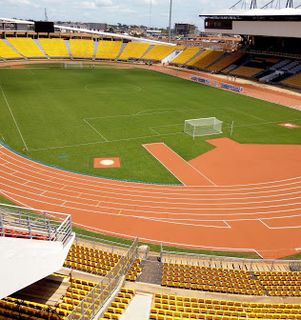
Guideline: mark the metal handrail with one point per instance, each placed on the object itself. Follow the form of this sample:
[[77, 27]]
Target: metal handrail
[[34, 224], [99, 295], [240, 263]]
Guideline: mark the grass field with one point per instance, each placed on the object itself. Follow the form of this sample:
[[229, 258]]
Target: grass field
[[68, 117]]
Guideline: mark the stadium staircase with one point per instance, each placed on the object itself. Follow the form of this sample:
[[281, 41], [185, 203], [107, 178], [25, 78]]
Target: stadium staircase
[[37, 42], [195, 56], [121, 50], [67, 43], [151, 271], [147, 51]]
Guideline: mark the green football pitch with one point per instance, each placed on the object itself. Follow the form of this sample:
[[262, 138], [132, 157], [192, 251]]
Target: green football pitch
[[67, 117]]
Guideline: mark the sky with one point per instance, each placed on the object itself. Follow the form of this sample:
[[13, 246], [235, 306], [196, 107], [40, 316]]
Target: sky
[[113, 11]]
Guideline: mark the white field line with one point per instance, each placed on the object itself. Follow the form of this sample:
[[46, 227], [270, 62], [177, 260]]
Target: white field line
[[103, 142], [105, 193], [138, 114], [280, 228], [116, 214], [95, 130], [154, 131], [155, 213], [110, 184], [177, 155], [146, 239], [168, 169], [85, 196], [13, 117]]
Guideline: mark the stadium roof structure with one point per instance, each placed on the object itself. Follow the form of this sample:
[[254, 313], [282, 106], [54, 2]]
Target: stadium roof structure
[[285, 12], [88, 31]]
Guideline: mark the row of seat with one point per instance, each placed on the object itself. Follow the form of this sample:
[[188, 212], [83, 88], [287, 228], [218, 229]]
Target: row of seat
[[119, 304], [171, 307], [231, 281]]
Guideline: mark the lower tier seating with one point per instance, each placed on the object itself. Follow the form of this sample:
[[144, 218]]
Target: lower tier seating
[[134, 50], [27, 47], [55, 48], [119, 305], [159, 52], [294, 81], [247, 72], [174, 307], [16, 308], [7, 52], [186, 55], [108, 50]]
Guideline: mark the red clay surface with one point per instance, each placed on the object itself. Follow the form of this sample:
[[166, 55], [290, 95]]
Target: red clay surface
[[263, 217]]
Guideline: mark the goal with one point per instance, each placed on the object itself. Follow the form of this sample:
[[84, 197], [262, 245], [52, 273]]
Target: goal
[[203, 127], [73, 65]]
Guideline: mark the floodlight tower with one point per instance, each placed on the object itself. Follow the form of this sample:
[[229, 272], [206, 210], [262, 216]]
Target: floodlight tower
[[170, 20], [253, 4], [46, 15]]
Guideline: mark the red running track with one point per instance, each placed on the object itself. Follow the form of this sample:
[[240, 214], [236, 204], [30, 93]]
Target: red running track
[[264, 217]]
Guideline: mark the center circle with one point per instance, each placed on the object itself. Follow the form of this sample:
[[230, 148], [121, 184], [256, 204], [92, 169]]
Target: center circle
[[107, 162]]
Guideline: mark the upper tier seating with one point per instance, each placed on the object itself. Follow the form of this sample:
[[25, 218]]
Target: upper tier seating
[[210, 279], [276, 283], [7, 52], [55, 48], [225, 61], [119, 305], [294, 81], [82, 48], [159, 52], [247, 72], [97, 261], [108, 49], [174, 307], [205, 59], [27, 47], [13, 233], [91, 260], [186, 55], [134, 50]]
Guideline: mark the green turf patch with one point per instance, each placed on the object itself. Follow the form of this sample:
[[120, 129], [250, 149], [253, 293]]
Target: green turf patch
[[67, 117]]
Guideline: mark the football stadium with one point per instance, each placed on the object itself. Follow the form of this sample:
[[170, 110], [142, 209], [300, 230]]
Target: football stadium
[[148, 178]]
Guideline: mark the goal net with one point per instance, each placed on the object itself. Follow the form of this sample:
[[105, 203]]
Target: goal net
[[73, 65], [203, 127]]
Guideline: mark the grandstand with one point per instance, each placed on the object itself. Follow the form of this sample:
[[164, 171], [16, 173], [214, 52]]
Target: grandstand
[[55, 48], [134, 50], [7, 52], [205, 59], [108, 50], [186, 55], [159, 52], [26, 47], [82, 48], [48, 272]]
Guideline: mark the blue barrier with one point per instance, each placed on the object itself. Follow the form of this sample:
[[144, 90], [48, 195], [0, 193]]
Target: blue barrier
[[217, 84]]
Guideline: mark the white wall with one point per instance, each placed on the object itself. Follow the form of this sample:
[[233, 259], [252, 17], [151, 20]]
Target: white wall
[[264, 28], [25, 261]]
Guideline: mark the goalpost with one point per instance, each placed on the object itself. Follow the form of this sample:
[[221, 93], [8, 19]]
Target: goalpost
[[203, 127], [73, 65]]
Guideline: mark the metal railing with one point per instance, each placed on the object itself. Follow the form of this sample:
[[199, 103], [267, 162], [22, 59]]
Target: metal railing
[[228, 262], [98, 296], [34, 224]]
